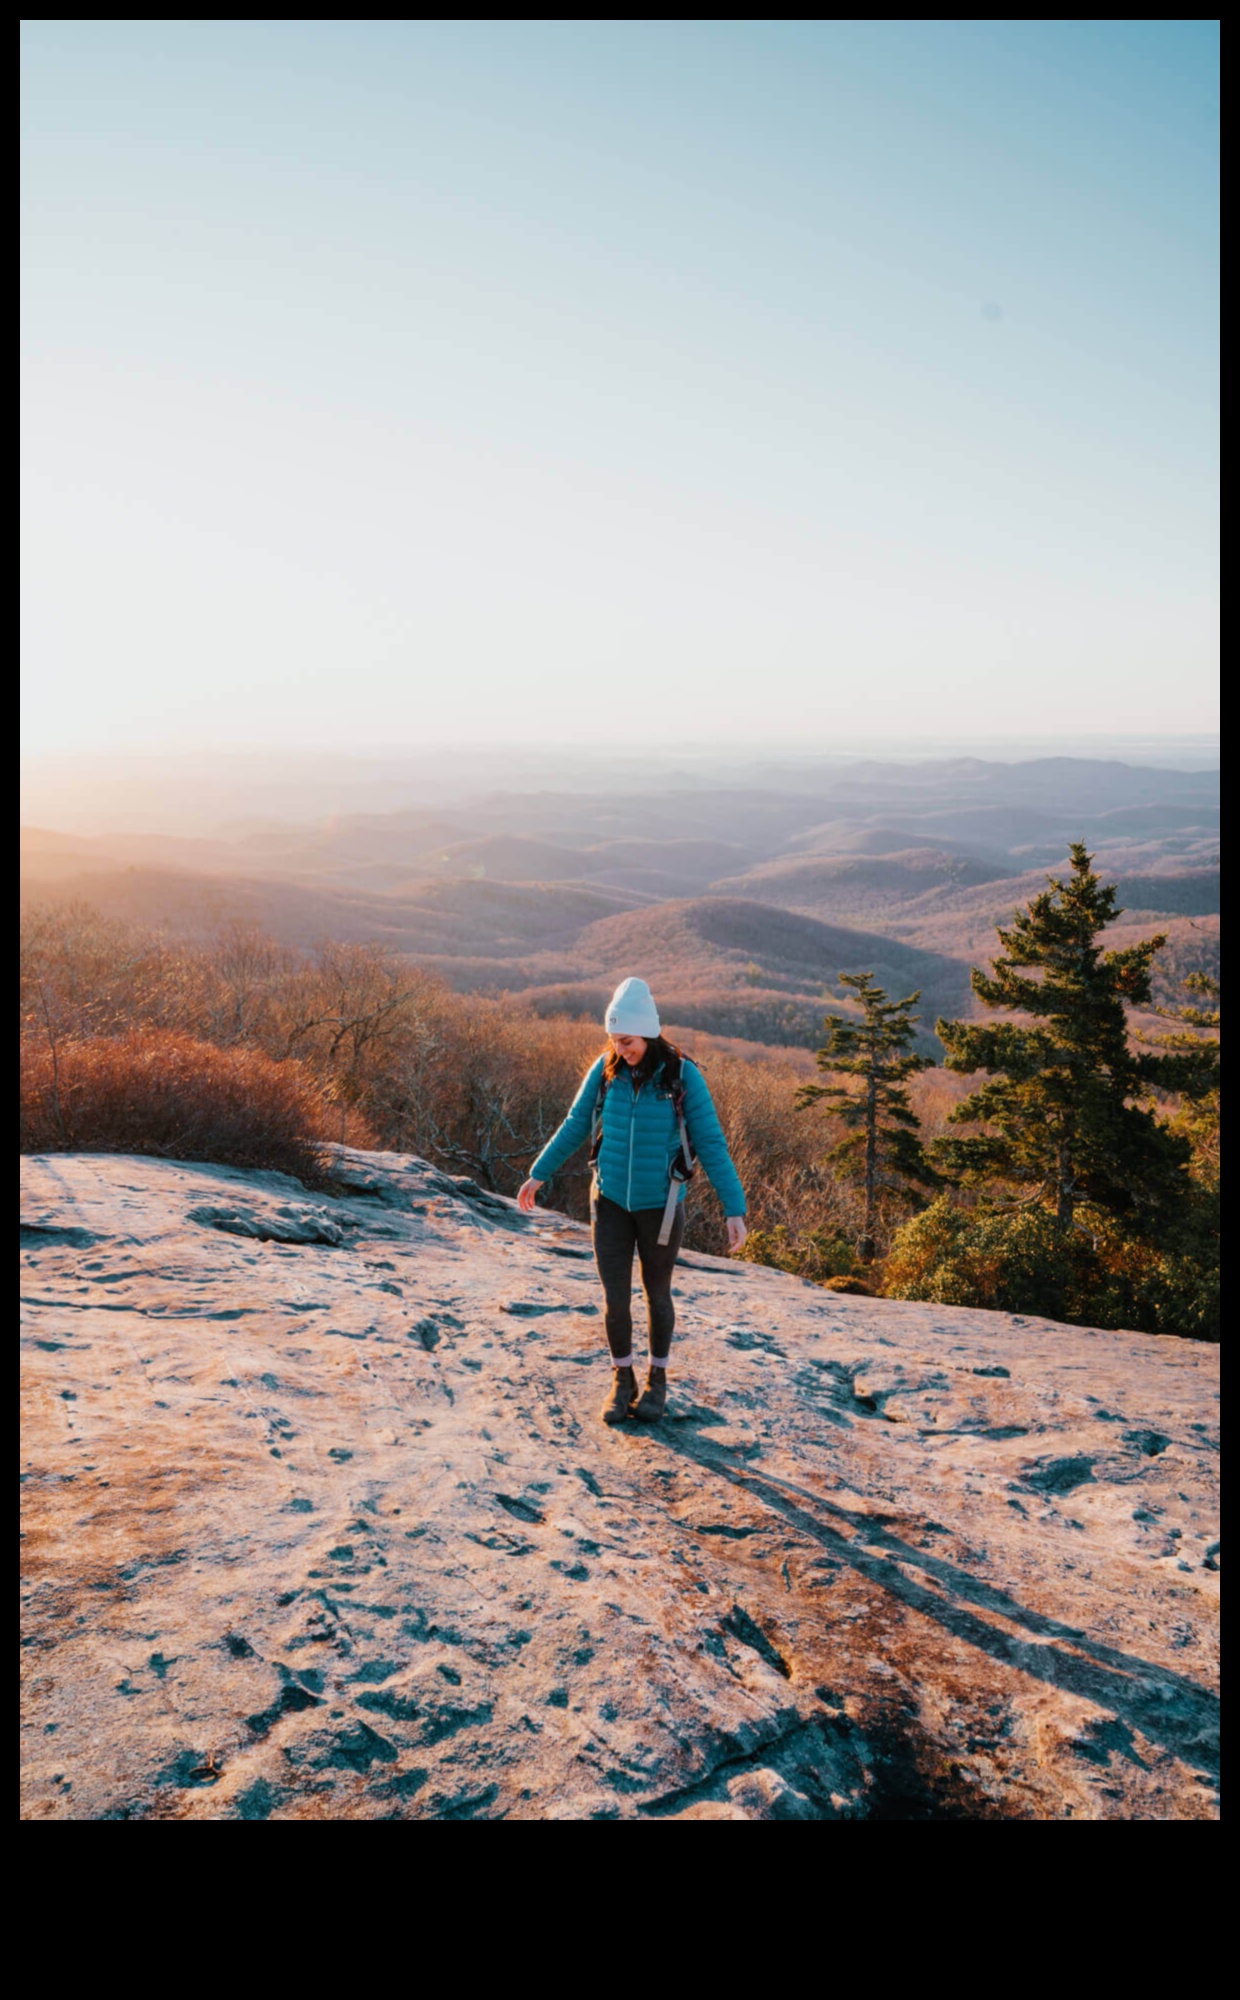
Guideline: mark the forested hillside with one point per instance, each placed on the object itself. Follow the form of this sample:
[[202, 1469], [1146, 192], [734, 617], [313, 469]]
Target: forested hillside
[[744, 902]]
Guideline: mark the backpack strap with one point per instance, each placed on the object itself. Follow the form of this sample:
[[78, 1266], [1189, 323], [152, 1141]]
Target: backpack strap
[[684, 1166], [596, 1122]]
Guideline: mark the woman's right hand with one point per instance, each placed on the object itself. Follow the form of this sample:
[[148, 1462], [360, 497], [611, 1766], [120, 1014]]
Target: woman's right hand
[[527, 1196]]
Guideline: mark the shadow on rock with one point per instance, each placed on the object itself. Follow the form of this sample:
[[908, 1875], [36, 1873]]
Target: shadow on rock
[[1168, 1708]]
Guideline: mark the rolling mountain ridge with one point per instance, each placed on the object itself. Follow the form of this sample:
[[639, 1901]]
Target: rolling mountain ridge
[[752, 899]]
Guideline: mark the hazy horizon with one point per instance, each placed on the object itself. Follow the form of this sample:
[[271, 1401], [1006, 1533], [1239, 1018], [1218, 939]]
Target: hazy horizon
[[181, 792], [437, 382]]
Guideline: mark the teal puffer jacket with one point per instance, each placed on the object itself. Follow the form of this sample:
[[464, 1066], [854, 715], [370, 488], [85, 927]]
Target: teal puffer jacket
[[641, 1139]]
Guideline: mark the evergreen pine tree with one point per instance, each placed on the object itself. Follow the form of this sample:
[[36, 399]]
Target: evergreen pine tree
[[1062, 1100], [881, 1149]]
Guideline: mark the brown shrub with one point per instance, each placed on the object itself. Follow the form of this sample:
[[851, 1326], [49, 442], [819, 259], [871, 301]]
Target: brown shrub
[[157, 1091], [934, 1095]]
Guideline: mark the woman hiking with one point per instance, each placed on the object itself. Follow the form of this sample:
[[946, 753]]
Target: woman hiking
[[650, 1114]]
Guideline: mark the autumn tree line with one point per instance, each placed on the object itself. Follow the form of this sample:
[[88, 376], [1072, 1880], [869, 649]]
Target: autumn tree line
[[1057, 1163]]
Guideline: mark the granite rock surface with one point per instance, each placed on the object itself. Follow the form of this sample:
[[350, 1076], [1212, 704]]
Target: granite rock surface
[[320, 1523]]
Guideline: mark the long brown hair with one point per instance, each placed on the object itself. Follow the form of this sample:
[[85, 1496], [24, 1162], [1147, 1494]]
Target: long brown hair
[[658, 1050]]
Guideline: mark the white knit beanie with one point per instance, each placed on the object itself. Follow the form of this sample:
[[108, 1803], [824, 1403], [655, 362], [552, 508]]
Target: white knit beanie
[[631, 1010]]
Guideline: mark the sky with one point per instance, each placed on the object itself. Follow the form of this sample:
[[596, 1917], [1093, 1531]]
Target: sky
[[410, 383]]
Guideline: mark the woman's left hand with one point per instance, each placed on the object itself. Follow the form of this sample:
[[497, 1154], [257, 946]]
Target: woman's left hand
[[737, 1233]]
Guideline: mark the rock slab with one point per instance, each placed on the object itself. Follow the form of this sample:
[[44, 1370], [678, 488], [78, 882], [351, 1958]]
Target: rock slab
[[320, 1523]]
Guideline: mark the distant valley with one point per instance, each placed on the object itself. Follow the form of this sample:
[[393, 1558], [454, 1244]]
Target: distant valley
[[742, 904]]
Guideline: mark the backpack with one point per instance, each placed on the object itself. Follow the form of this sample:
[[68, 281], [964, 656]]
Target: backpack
[[684, 1166]]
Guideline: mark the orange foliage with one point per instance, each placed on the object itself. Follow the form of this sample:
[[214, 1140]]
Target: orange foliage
[[157, 1091]]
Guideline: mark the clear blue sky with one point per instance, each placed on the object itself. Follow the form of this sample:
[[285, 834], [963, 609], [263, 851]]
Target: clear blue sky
[[396, 382]]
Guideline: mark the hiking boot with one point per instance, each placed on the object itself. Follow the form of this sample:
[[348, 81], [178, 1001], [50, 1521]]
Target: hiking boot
[[654, 1397], [622, 1397]]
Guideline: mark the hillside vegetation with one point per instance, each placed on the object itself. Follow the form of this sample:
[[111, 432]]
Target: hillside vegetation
[[552, 894], [435, 976], [381, 1055], [119, 1025]]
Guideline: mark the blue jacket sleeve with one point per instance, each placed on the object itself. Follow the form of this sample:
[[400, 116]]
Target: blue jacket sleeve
[[706, 1134], [576, 1127]]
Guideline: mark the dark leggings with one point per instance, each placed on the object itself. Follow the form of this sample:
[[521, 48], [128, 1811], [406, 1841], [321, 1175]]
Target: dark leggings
[[617, 1233]]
